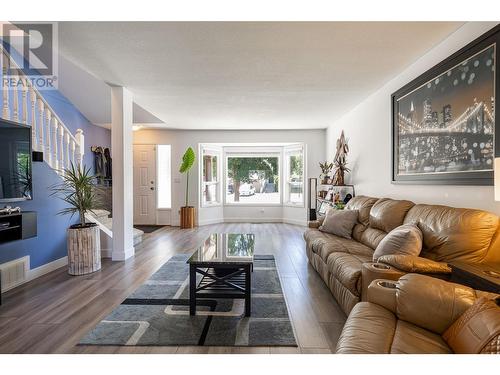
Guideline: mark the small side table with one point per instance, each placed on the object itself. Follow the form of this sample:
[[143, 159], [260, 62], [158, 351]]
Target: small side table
[[484, 277]]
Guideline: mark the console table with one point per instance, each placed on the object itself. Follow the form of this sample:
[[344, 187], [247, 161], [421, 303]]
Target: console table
[[484, 277]]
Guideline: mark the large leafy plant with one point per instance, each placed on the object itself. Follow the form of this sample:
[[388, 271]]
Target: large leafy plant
[[78, 191], [187, 163]]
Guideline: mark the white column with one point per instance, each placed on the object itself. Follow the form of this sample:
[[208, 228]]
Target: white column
[[121, 147]]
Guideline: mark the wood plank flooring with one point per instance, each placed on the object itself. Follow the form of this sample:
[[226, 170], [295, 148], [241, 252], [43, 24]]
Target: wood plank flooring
[[51, 314]]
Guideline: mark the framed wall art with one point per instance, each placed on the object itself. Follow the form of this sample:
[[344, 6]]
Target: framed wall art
[[443, 122]]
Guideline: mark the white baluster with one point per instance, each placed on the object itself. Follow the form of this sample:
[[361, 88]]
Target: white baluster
[[34, 142], [15, 102], [72, 155], [48, 137], [41, 144], [5, 107], [55, 160], [61, 147], [66, 153], [24, 102], [80, 146]]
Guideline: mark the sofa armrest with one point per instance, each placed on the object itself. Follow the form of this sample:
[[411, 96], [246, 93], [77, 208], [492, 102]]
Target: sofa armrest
[[414, 264], [383, 293], [372, 271]]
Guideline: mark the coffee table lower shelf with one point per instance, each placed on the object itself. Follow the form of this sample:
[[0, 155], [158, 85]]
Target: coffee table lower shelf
[[220, 281]]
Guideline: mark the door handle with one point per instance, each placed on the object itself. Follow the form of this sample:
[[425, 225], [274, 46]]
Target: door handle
[[152, 188]]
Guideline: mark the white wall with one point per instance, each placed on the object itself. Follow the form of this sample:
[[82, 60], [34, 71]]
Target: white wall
[[368, 127], [181, 139]]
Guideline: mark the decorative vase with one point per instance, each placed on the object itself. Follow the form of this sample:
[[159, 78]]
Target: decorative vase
[[187, 217], [84, 249]]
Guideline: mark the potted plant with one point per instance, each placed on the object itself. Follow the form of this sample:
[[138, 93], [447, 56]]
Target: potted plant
[[325, 170], [187, 212], [84, 245]]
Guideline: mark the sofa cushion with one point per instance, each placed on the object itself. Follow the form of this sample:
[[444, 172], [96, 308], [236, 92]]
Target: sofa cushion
[[340, 222], [387, 214], [363, 205], [324, 244], [371, 237], [411, 339], [405, 240], [346, 268], [369, 329], [454, 233]]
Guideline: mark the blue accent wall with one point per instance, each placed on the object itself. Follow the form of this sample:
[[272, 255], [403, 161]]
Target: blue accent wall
[[50, 244]]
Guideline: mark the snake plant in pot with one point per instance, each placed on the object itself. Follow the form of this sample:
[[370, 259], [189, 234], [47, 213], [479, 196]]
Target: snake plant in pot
[[187, 211], [77, 190]]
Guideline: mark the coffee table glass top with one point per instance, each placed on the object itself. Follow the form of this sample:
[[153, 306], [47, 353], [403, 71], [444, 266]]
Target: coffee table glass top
[[225, 248]]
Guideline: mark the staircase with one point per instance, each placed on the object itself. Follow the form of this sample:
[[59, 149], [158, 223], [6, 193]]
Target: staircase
[[49, 135]]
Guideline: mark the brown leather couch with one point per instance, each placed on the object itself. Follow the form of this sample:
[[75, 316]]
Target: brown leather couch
[[410, 317], [449, 234]]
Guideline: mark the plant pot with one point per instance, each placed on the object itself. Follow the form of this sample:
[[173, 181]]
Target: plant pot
[[187, 217], [84, 249]]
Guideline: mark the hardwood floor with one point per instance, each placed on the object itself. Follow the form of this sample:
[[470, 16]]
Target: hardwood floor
[[52, 313]]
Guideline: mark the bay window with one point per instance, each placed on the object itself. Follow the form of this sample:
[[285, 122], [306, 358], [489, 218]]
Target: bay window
[[294, 175], [210, 175], [252, 178]]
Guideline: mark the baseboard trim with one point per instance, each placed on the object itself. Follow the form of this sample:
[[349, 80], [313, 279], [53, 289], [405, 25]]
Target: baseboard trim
[[253, 220], [123, 255], [302, 223], [210, 221], [106, 253], [45, 269]]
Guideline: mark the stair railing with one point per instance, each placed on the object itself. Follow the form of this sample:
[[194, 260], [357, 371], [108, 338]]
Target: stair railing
[[26, 105]]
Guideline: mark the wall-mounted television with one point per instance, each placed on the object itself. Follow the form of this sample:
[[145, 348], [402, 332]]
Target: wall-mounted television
[[15, 162]]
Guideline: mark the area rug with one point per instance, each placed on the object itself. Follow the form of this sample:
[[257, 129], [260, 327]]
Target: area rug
[[157, 313]]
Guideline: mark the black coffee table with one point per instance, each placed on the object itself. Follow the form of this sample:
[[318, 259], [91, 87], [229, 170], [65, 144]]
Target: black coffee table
[[226, 262]]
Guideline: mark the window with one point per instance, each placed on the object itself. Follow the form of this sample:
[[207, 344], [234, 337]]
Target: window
[[163, 177], [252, 179], [294, 177], [210, 172]]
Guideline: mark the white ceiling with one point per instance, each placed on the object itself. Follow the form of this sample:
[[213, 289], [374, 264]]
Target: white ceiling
[[243, 75]]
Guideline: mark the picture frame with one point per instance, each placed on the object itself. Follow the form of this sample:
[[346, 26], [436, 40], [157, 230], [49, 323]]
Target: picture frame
[[443, 122], [343, 191], [323, 207]]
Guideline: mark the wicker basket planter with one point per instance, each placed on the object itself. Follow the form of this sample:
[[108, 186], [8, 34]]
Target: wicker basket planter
[[84, 249]]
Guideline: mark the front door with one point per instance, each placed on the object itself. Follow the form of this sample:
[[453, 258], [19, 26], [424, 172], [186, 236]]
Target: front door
[[145, 184]]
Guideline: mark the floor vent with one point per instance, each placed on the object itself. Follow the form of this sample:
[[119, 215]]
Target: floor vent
[[14, 272]]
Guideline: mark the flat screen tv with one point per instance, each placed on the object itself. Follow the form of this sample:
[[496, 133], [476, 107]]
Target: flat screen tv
[[15, 162]]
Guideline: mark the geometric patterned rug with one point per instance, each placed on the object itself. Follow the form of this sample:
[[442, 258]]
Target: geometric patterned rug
[[157, 313]]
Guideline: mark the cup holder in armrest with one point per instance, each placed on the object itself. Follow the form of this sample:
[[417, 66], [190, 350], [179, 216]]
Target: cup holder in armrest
[[386, 284], [381, 266]]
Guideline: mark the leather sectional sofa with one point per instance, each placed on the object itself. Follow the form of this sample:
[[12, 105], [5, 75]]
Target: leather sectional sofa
[[449, 234], [411, 316]]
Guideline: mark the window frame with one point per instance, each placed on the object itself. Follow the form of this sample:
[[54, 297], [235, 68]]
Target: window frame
[[157, 151], [287, 152], [213, 150], [253, 151]]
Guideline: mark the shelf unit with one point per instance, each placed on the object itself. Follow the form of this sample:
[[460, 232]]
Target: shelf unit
[[17, 226]]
